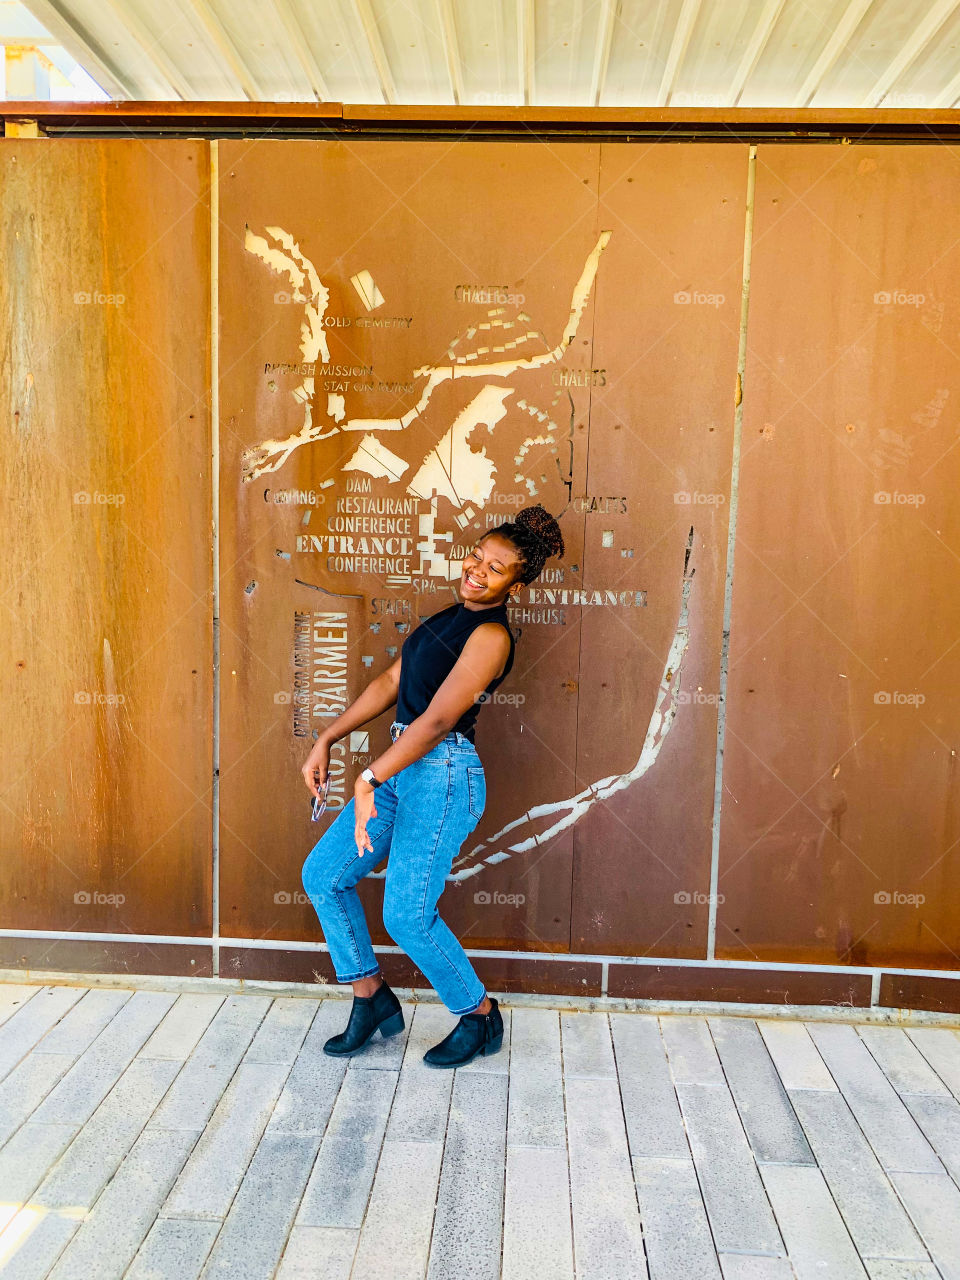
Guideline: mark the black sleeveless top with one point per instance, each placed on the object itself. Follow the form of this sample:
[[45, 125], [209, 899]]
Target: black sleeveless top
[[429, 654]]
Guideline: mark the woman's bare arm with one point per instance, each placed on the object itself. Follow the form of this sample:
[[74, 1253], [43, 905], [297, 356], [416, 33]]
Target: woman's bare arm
[[379, 694], [483, 658]]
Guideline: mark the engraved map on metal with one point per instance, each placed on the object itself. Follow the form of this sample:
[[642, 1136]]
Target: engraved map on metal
[[388, 509]]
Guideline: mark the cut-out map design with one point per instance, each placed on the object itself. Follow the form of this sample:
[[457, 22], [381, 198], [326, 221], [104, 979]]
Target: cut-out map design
[[385, 523]]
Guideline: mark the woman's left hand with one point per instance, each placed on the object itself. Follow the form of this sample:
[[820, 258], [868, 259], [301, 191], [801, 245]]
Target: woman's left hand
[[364, 810]]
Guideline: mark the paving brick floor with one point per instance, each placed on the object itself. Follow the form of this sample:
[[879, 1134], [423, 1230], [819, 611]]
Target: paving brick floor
[[146, 1134]]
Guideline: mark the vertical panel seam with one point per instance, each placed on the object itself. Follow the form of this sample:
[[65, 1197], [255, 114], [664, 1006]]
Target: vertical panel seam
[[583, 546], [731, 546], [215, 540]]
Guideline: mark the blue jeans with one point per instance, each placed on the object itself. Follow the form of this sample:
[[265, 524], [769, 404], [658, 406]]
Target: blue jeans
[[424, 814]]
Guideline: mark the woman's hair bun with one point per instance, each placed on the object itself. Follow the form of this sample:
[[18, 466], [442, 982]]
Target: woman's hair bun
[[537, 537], [542, 526]]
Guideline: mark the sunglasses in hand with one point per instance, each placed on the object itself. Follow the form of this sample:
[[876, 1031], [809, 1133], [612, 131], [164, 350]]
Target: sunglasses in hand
[[319, 803]]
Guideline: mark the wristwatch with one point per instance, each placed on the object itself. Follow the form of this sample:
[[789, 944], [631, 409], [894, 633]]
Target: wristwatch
[[368, 776]]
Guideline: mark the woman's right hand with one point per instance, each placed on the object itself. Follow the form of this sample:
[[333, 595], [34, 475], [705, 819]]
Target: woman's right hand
[[315, 768]]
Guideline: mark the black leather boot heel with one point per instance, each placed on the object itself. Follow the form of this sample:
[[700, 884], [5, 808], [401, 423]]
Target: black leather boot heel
[[493, 1046], [368, 1014], [393, 1026], [474, 1033]]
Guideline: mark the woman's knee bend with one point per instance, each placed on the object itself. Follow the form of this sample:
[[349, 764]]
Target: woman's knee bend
[[396, 923], [403, 925], [315, 880]]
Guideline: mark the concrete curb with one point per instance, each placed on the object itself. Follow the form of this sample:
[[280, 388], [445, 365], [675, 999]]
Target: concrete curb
[[518, 1000]]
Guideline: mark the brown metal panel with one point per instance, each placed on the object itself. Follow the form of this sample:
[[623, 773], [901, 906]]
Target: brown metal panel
[[105, 813], [69, 955], [498, 974], [400, 971], [755, 986], [268, 965], [841, 811], [906, 991], [654, 503], [541, 977], [424, 225], [258, 964]]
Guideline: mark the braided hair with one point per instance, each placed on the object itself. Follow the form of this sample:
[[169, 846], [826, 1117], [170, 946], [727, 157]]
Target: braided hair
[[536, 535]]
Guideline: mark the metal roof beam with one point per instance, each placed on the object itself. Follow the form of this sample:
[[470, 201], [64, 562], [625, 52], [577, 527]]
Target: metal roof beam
[[601, 57], [948, 95], [451, 48], [631, 124], [82, 48], [164, 68], [832, 50], [678, 47], [751, 56], [388, 90], [526, 49], [225, 47], [301, 48], [921, 37], [28, 42]]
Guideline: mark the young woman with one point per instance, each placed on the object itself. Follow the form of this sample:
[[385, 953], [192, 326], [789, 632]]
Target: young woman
[[421, 799]]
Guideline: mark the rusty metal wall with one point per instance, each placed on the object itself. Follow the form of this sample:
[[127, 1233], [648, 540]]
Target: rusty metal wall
[[429, 223], [661, 441], [841, 821], [387, 314], [106, 576]]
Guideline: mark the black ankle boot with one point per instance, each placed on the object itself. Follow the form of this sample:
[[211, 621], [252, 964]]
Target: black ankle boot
[[369, 1013], [474, 1033]]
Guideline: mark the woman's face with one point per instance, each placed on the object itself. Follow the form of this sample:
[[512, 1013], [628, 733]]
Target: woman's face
[[490, 570]]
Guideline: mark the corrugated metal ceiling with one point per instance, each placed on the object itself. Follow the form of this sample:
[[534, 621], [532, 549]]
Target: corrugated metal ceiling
[[609, 53]]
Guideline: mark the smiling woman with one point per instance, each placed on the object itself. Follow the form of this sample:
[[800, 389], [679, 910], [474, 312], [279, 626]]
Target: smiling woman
[[422, 797]]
